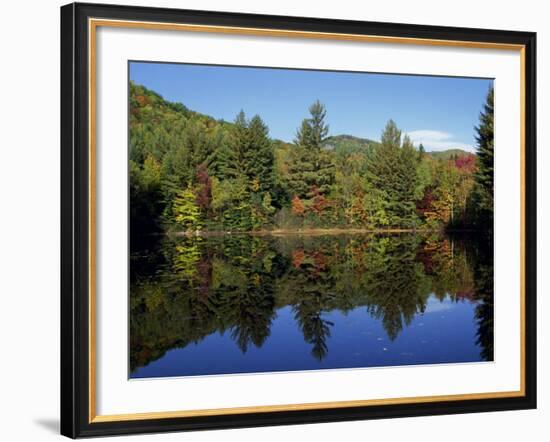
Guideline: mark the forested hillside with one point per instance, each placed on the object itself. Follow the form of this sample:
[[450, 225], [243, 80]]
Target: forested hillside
[[449, 154], [190, 172]]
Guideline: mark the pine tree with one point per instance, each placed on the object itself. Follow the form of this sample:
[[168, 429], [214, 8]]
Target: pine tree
[[304, 134], [391, 136], [248, 154], [409, 181], [235, 156], [260, 157], [311, 168], [319, 130], [485, 141], [480, 203], [391, 173]]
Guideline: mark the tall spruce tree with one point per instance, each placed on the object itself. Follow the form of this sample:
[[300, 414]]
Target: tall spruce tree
[[304, 134], [311, 170], [409, 181], [480, 202], [391, 173], [319, 129], [248, 154], [235, 156], [485, 141], [261, 157], [391, 136]]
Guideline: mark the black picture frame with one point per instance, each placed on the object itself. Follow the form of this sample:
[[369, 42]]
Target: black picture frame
[[75, 221]]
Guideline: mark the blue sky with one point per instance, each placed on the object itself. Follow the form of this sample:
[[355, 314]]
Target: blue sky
[[440, 112]]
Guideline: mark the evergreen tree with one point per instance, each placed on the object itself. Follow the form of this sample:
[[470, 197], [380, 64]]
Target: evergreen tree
[[248, 154], [407, 143], [260, 158], [319, 130], [235, 156], [304, 134], [391, 173], [311, 168], [421, 151], [241, 179], [391, 136], [409, 182], [485, 141], [480, 202]]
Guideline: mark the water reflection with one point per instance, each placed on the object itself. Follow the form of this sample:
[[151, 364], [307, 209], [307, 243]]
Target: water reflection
[[241, 303]]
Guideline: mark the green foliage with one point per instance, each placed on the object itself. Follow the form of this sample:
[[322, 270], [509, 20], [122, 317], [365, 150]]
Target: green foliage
[[391, 136], [261, 172], [349, 144], [447, 155], [392, 176], [313, 131], [421, 150], [480, 201], [185, 210], [310, 168], [237, 283], [145, 195], [485, 142], [189, 171]]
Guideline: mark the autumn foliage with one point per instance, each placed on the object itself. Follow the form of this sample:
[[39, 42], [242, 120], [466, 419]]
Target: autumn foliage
[[298, 207]]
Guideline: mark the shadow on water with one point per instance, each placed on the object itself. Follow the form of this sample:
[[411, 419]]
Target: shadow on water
[[252, 291]]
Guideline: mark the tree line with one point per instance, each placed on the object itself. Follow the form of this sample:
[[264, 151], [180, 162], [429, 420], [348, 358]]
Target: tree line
[[190, 172]]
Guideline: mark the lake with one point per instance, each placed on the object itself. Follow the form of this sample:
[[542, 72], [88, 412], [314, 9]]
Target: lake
[[239, 303]]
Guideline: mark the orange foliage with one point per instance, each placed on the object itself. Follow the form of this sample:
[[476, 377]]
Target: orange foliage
[[298, 207], [298, 256], [142, 100]]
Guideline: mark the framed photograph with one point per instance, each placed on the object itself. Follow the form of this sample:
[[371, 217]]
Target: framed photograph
[[274, 220]]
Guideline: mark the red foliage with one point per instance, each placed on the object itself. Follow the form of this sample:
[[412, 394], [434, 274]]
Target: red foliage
[[426, 258], [320, 261], [204, 193], [319, 202], [468, 295], [466, 162], [204, 267], [425, 204]]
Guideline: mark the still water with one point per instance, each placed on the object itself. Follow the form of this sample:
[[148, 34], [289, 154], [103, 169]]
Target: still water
[[242, 303]]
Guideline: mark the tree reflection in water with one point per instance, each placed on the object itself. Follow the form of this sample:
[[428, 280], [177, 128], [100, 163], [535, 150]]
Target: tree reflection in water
[[184, 289]]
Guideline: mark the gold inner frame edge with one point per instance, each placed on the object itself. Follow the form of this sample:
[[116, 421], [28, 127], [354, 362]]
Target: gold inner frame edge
[[93, 24]]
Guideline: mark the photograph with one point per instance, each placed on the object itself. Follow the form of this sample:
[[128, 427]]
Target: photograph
[[295, 219], [274, 221]]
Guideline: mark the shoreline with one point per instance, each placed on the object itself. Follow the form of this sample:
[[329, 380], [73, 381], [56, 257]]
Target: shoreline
[[306, 232]]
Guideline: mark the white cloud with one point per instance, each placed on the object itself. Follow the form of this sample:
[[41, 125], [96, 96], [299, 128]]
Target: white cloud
[[435, 140]]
